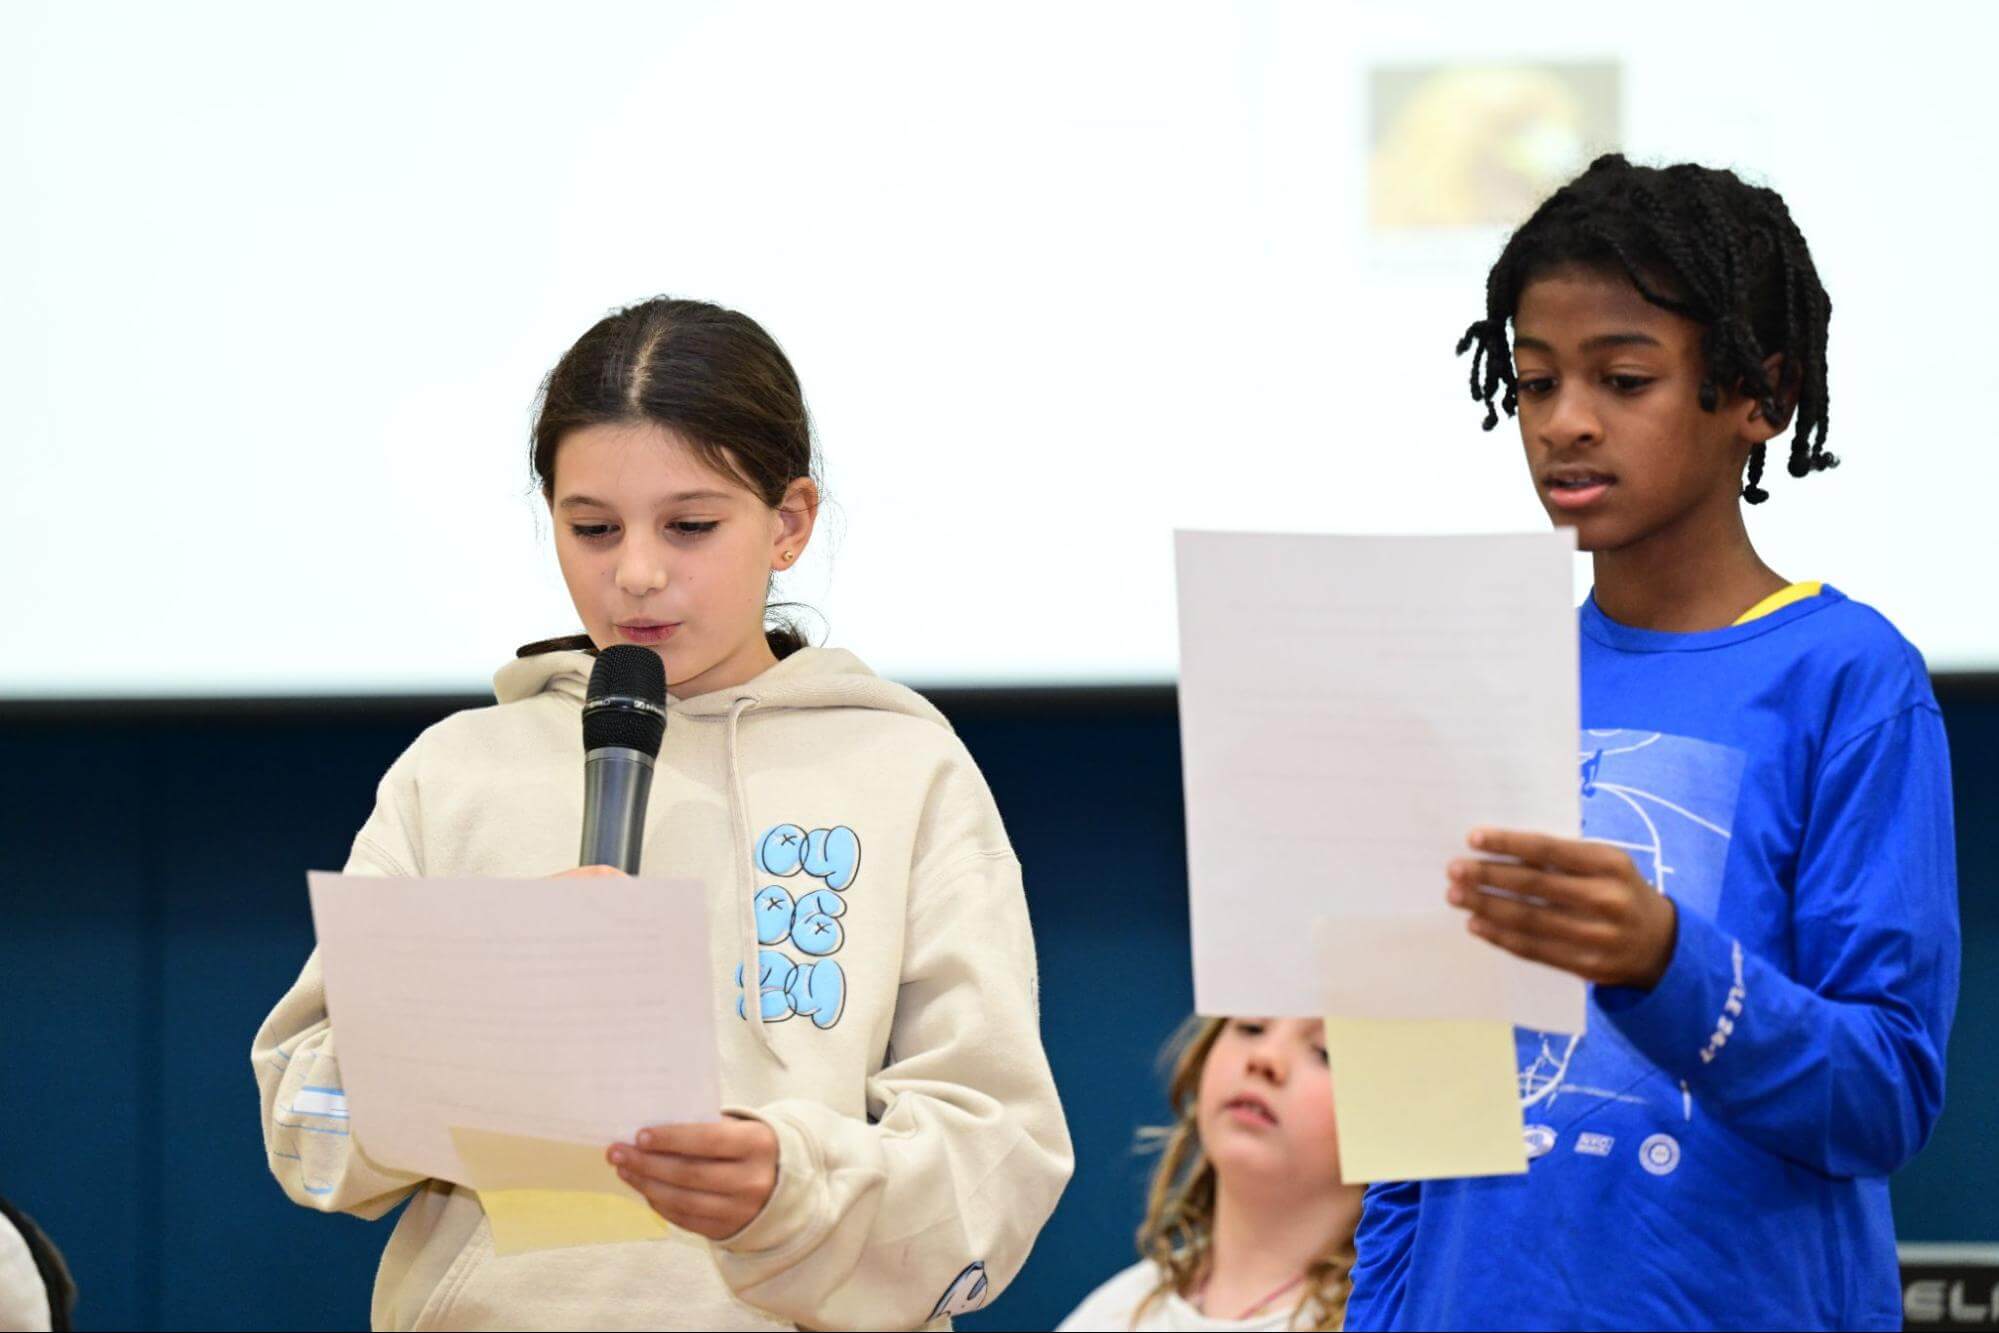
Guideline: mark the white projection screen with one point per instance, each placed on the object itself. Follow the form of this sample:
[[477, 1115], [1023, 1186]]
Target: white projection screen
[[281, 283]]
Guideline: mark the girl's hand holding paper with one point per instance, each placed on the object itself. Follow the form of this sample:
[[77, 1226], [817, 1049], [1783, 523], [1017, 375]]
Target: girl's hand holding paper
[[710, 1179], [1579, 906]]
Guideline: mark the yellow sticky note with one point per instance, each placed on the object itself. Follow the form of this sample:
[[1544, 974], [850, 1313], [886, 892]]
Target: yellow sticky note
[[546, 1194], [1425, 1099], [524, 1220]]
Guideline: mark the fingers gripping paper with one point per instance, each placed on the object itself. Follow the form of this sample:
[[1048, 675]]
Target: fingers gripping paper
[[1351, 708], [500, 1034]]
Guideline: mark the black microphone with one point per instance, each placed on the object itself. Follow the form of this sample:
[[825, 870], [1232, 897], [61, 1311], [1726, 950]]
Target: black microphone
[[624, 720]]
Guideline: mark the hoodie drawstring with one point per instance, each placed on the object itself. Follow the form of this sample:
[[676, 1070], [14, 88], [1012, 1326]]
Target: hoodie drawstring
[[746, 887]]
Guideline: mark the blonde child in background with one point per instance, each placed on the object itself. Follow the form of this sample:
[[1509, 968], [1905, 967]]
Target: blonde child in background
[[1247, 1224]]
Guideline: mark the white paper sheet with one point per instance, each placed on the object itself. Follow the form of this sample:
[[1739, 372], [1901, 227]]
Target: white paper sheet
[[569, 1009], [1350, 709], [1417, 965]]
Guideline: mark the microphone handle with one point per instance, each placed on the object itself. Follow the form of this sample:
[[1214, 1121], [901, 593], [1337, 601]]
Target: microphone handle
[[616, 782]]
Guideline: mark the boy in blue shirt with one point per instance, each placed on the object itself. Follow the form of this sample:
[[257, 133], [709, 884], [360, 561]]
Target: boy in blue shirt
[[1765, 893]]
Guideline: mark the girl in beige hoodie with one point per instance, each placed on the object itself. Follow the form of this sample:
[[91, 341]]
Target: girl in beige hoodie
[[892, 1141]]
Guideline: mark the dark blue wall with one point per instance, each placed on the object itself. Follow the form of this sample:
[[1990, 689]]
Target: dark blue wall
[[146, 932]]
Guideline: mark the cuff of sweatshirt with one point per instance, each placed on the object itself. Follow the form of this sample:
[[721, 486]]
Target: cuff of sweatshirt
[[785, 1213], [1684, 1021]]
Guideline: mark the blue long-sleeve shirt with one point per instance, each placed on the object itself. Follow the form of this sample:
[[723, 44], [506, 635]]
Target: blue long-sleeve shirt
[[1714, 1153]]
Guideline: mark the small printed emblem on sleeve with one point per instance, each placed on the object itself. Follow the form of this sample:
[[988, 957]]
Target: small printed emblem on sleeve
[[967, 1292], [1731, 1009]]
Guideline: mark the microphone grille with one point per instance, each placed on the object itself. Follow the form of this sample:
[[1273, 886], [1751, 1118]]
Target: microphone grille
[[626, 702]]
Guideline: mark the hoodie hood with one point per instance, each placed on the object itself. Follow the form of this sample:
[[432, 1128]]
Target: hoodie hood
[[808, 678]]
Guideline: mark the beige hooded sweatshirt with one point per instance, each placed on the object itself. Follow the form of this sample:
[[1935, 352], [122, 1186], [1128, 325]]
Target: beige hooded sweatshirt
[[856, 867]]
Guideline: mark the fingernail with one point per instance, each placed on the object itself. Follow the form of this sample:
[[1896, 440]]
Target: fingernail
[[1456, 895], [645, 1138], [1477, 838], [618, 1156]]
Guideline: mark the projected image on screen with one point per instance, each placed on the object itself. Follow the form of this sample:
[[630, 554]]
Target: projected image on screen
[[1056, 282], [1455, 146]]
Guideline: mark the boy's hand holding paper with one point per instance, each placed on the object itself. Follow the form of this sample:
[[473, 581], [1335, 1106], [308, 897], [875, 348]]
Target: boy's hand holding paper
[[1350, 707], [1578, 906]]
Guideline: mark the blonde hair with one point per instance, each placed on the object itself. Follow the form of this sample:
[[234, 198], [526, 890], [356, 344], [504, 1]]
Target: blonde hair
[[1178, 1229]]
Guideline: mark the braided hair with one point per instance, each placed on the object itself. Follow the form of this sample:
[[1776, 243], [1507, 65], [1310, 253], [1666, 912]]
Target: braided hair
[[1701, 243]]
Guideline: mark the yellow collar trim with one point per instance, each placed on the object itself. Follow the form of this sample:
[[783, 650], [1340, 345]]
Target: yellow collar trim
[[1778, 600]]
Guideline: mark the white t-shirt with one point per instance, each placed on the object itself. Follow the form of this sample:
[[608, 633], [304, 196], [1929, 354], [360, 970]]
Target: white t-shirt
[[1109, 1308], [24, 1300]]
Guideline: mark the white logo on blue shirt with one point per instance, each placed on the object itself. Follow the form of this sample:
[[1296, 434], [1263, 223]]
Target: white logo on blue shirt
[[1660, 1154]]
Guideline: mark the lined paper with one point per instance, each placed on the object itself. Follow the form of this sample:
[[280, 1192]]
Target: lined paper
[[574, 1010], [1351, 708]]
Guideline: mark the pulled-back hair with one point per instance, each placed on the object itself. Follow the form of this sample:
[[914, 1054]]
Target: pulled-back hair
[[1703, 244], [1177, 1234], [711, 376]]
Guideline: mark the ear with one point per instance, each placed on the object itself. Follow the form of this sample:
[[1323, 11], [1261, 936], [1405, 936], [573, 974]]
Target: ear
[[796, 514], [1763, 422]]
